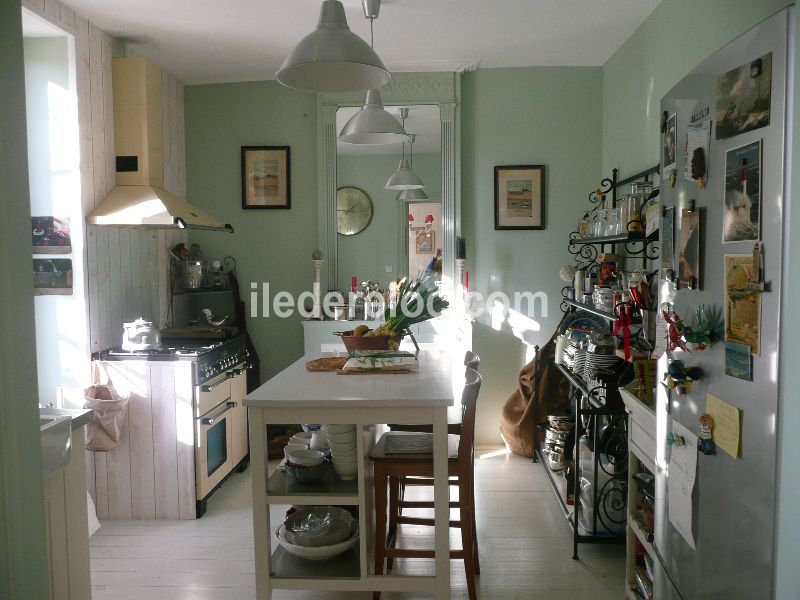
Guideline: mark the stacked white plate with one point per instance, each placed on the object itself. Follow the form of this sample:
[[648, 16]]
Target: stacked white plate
[[342, 442], [598, 361]]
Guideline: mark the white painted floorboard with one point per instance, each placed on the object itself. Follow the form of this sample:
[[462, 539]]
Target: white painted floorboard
[[525, 548]]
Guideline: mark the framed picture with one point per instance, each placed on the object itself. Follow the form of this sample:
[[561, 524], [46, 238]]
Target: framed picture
[[52, 276], [50, 235], [519, 197], [266, 177], [425, 242]]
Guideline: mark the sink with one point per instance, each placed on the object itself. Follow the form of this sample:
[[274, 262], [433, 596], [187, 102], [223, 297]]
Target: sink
[[56, 436]]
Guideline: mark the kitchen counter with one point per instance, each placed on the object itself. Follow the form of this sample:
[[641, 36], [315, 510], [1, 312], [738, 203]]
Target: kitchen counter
[[80, 416], [367, 401]]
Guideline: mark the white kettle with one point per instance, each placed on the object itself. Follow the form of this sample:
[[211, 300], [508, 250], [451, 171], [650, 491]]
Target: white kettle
[[140, 335]]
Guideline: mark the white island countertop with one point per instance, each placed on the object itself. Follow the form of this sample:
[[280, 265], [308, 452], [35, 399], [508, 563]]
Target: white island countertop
[[295, 386]]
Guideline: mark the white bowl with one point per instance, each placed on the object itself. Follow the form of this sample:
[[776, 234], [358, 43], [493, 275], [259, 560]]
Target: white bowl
[[304, 437], [318, 552], [343, 446], [345, 471], [293, 448], [338, 428], [344, 460], [344, 453], [306, 458], [342, 438]]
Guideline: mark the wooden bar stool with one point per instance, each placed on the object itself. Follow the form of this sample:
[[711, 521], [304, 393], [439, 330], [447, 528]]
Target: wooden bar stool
[[471, 361], [390, 468]]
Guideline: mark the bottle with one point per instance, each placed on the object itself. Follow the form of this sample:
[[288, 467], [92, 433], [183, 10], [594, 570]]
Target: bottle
[[351, 305]]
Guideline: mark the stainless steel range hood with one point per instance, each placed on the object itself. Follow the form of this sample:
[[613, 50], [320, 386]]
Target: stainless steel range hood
[[139, 197]]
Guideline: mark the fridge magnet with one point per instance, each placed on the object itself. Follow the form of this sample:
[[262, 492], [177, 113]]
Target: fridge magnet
[[705, 442], [727, 428], [742, 193], [689, 246], [742, 305], [668, 149], [519, 197], [266, 177], [52, 276], [680, 377], [698, 147], [743, 98], [50, 235], [667, 238], [738, 361]]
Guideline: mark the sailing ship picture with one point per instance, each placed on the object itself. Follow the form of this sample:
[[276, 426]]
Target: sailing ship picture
[[741, 221], [743, 98]]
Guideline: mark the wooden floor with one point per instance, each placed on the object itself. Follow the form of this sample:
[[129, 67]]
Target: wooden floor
[[525, 548]]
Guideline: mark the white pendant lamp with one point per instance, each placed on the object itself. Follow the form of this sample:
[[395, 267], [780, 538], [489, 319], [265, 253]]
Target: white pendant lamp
[[416, 195], [332, 58], [404, 178], [372, 124]]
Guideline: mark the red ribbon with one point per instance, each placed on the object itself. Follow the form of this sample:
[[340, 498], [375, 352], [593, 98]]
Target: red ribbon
[[624, 324]]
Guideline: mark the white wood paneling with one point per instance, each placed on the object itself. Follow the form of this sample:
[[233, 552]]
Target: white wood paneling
[[151, 474], [120, 268]]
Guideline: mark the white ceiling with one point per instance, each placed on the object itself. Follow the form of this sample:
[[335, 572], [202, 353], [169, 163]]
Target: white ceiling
[[423, 121], [213, 41]]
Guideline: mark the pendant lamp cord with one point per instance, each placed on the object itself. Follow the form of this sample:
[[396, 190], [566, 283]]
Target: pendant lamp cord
[[371, 34]]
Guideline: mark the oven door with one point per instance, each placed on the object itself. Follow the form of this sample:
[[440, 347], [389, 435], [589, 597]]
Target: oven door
[[214, 447]]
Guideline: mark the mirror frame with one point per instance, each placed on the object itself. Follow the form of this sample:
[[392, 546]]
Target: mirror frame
[[405, 89]]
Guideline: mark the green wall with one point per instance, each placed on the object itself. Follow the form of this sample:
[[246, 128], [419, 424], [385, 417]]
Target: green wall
[[675, 38], [272, 246], [550, 116], [367, 253]]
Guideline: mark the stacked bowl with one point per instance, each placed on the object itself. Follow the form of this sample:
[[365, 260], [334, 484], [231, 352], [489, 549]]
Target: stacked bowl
[[342, 442]]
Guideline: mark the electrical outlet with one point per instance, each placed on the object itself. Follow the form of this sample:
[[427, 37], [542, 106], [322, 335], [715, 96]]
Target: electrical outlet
[[389, 268]]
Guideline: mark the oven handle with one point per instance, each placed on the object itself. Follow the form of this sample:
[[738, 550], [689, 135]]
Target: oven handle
[[212, 419], [212, 387], [239, 370]]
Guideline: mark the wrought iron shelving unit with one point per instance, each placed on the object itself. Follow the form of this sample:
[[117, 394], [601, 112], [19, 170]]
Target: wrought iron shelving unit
[[610, 457], [599, 410]]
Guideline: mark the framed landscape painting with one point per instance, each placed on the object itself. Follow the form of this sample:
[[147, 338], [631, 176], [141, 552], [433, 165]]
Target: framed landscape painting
[[519, 197], [266, 177]]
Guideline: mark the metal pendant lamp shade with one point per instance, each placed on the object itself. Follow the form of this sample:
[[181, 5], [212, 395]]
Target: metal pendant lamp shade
[[415, 195], [373, 124], [404, 178], [332, 58]]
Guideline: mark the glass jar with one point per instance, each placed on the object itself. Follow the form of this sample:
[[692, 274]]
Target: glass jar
[[192, 274], [631, 217]]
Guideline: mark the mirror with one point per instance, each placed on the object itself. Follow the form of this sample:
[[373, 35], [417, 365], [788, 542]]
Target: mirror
[[438, 92], [376, 240]]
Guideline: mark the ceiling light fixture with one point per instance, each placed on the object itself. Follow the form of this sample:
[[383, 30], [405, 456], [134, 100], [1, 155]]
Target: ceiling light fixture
[[416, 195], [332, 58], [372, 124], [404, 178]]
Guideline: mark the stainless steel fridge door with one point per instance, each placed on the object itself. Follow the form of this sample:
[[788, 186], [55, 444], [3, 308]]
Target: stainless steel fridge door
[[733, 499]]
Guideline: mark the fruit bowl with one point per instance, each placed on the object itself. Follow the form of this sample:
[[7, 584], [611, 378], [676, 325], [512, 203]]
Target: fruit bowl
[[364, 342]]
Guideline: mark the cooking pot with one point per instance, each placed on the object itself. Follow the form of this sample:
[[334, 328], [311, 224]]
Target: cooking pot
[[140, 335]]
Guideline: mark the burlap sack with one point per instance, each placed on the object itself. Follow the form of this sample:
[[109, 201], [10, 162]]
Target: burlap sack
[[519, 417], [104, 433]]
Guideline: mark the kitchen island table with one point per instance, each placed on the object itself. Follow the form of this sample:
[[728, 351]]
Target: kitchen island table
[[296, 395]]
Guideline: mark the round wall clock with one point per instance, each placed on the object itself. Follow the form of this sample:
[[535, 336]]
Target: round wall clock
[[353, 210]]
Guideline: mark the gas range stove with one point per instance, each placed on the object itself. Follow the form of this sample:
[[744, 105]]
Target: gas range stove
[[209, 357]]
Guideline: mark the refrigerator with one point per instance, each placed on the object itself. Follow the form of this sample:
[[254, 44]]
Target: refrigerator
[[733, 500]]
